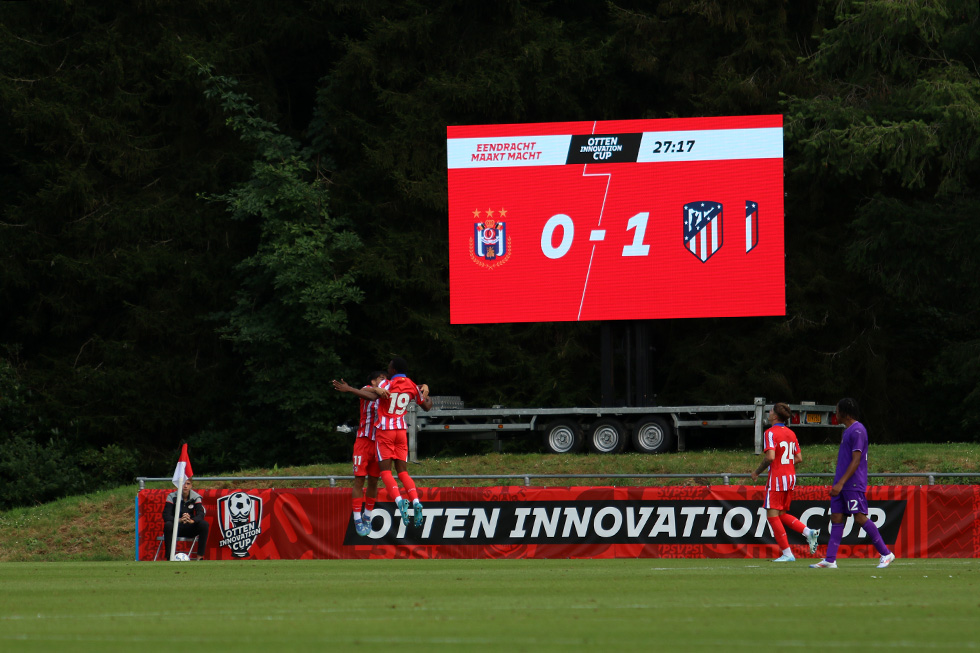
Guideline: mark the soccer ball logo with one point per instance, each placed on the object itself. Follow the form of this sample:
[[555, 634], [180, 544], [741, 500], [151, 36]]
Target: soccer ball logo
[[240, 506], [240, 521]]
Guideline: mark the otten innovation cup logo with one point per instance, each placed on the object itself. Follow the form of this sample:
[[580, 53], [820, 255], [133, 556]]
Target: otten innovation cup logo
[[239, 518]]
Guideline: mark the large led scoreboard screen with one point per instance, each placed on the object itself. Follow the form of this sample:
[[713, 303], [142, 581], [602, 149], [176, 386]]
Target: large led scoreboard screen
[[616, 220]]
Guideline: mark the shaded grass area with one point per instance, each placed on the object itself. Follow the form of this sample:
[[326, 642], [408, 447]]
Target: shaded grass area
[[101, 526], [491, 605]]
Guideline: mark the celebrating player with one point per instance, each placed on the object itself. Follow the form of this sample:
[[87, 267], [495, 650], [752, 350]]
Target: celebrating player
[[782, 453], [365, 457], [392, 439], [849, 492]]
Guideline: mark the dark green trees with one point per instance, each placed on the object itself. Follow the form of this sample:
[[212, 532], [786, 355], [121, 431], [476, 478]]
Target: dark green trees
[[136, 311], [889, 136], [289, 315]]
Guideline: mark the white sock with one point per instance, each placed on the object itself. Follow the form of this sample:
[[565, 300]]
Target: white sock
[[367, 515], [807, 531], [787, 552], [357, 516]]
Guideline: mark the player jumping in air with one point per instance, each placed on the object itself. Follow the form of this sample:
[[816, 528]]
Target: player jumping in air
[[782, 453], [392, 438]]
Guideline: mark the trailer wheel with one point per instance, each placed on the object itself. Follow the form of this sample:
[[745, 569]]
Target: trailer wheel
[[607, 436], [653, 435], [563, 436]]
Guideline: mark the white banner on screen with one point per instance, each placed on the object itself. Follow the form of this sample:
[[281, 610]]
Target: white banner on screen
[[507, 151], [711, 145], [655, 147]]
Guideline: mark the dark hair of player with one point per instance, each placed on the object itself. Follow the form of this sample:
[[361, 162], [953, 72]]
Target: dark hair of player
[[783, 412], [848, 407], [399, 365]]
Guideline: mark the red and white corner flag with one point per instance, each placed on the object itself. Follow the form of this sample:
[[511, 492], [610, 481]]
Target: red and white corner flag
[[183, 470]]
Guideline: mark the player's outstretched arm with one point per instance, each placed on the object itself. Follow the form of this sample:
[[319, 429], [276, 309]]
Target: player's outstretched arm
[[368, 394]]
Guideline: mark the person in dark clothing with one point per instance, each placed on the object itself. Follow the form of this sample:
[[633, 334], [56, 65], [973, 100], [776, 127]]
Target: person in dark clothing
[[191, 521]]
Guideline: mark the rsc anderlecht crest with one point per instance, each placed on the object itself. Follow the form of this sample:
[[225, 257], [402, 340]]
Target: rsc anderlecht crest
[[490, 243]]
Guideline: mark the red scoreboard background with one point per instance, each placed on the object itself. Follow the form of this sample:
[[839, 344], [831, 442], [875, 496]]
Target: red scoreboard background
[[616, 220]]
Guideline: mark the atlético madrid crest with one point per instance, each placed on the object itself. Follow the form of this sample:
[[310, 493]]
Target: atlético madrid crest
[[703, 233], [490, 243]]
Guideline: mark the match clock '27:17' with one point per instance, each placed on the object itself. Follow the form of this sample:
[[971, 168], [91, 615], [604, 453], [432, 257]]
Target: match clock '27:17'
[[616, 220]]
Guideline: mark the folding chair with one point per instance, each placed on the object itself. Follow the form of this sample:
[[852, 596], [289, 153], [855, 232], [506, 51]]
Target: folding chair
[[191, 547]]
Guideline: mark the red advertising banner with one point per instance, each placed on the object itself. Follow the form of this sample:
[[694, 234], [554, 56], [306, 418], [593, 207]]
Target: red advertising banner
[[589, 522], [616, 220]]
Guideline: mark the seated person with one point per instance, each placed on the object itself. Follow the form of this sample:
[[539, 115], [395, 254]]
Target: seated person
[[190, 523]]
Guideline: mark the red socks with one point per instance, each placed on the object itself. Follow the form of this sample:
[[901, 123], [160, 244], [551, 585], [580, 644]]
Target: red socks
[[389, 480], [409, 486], [792, 522], [779, 532], [390, 485]]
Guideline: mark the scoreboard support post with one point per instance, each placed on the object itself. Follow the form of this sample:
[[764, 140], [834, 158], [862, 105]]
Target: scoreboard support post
[[627, 352]]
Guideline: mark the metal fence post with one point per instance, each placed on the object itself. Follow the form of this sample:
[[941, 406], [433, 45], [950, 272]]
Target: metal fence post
[[411, 417], [760, 406]]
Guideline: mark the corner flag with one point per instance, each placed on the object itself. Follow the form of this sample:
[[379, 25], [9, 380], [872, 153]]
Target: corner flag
[[181, 474], [183, 470]]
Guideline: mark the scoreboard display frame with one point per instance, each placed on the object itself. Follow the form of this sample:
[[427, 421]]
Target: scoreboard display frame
[[616, 220]]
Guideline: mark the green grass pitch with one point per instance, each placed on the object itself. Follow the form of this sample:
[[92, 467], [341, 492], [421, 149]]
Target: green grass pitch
[[490, 605]]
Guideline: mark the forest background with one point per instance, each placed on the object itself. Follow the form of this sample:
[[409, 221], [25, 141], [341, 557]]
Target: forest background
[[210, 209]]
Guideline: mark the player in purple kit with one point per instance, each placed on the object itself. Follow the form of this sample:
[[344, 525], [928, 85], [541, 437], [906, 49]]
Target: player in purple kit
[[849, 493]]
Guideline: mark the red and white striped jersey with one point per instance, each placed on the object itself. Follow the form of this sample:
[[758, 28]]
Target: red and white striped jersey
[[391, 411], [782, 470], [369, 415]]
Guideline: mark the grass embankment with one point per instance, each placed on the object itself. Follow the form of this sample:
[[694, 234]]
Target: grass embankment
[[101, 526]]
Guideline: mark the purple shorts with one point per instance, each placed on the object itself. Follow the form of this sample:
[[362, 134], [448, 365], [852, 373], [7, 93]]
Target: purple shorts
[[849, 502]]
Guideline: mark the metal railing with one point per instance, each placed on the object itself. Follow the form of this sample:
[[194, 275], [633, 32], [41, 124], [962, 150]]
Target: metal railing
[[526, 478]]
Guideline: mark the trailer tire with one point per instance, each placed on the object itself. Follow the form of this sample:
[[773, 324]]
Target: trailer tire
[[563, 436], [607, 436], [653, 435]]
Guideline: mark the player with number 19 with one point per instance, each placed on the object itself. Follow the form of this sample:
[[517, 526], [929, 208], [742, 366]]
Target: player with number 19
[[392, 437], [782, 454]]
